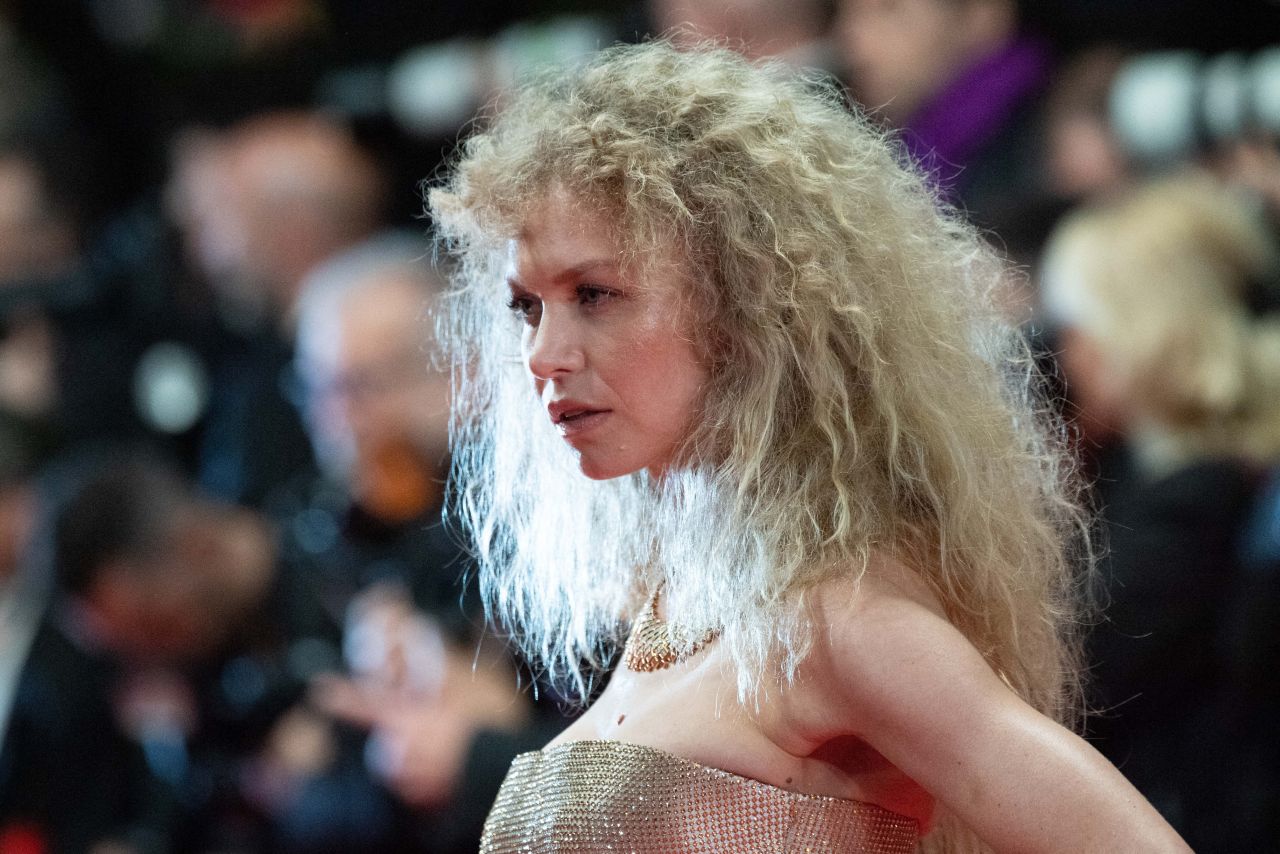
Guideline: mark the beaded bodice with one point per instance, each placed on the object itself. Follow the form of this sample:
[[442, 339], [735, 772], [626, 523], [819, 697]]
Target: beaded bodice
[[615, 796]]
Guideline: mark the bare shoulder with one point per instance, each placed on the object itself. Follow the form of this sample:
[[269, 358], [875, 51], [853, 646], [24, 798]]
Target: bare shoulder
[[881, 643], [888, 669], [887, 582], [885, 605]]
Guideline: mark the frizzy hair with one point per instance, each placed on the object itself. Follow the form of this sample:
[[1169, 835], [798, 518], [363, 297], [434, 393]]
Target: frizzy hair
[[866, 397]]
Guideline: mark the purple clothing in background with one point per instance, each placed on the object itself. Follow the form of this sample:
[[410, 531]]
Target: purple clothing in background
[[944, 134]]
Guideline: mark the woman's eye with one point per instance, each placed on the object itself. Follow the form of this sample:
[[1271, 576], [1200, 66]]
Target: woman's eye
[[593, 295], [525, 308]]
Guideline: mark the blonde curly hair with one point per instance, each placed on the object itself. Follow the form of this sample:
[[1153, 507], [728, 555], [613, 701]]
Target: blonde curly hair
[[866, 395]]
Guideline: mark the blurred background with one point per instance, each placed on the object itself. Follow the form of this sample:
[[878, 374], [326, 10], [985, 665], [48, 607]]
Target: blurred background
[[232, 618]]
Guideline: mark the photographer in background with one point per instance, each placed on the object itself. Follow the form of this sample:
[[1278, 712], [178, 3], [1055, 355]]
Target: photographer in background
[[155, 586], [962, 80], [374, 575], [261, 206]]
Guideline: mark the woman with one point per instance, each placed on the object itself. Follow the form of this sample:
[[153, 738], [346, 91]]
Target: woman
[[1159, 295], [732, 387]]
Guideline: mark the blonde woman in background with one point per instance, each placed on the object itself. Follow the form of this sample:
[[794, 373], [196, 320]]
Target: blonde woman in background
[[1150, 292], [1164, 355], [732, 391]]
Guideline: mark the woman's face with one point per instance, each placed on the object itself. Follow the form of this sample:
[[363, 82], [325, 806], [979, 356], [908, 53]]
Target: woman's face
[[610, 355]]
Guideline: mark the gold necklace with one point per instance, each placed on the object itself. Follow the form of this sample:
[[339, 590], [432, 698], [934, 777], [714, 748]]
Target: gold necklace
[[656, 644]]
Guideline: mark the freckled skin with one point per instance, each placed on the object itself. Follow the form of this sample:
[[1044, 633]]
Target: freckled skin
[[596, 334]]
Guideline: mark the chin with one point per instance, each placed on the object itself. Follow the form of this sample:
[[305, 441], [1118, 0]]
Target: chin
[[606, 469], [603, 472]]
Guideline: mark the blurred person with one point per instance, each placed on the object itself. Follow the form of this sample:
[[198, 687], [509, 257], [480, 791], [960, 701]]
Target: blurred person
[[71, 327], [29, 364], [262, 25], [39, 238], [794, 32], [376, 411], [39, 252], [961, 79], [1163, 355], [299, 191], [263, 205], [36, 110], [152, 581], [375, 405], [76, 296], [24, 581], [1253, 164], [375, 573], [1084, 158], [74, 314]]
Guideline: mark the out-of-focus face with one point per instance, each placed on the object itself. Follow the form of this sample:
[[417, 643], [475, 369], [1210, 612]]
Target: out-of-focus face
[[35, 241], [757, 28], [263, 204], [1085, 159], [389, 391], [376, 409], [610, 356], [899, 53], [185, 600]]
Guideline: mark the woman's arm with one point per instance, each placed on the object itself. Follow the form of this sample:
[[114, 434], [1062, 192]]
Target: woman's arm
[[909, 684]]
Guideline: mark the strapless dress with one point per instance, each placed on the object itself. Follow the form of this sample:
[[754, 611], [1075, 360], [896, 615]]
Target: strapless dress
[[616, 796]]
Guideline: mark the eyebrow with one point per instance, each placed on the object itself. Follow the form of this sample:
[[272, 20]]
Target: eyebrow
[[588, 266], [574, 272]]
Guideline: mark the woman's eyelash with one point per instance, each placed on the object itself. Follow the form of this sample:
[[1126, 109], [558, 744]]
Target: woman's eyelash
[[521, 306], [588, 295]]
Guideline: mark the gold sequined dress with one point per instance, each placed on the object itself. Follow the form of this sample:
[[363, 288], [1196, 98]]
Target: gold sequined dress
[[615, 796]]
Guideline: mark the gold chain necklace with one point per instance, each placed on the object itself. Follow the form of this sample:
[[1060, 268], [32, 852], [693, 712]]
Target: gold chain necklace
[[656, 644]]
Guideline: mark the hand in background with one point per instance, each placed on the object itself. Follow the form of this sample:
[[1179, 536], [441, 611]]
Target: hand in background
[[422, 701]]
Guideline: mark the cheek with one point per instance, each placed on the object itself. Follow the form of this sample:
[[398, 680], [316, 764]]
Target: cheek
[[667, 379]]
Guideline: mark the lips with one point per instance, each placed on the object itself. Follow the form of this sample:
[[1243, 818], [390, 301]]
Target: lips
[[562, 411], [572, 417]]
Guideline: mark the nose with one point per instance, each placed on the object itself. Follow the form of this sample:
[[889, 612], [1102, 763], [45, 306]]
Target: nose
[[553, 348]]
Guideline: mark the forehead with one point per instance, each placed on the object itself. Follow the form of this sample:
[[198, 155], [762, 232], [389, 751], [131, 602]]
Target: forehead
[[563, 233], [560, 219]]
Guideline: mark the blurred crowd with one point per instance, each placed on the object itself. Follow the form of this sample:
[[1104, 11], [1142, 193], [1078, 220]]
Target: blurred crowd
[[233, 616]]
